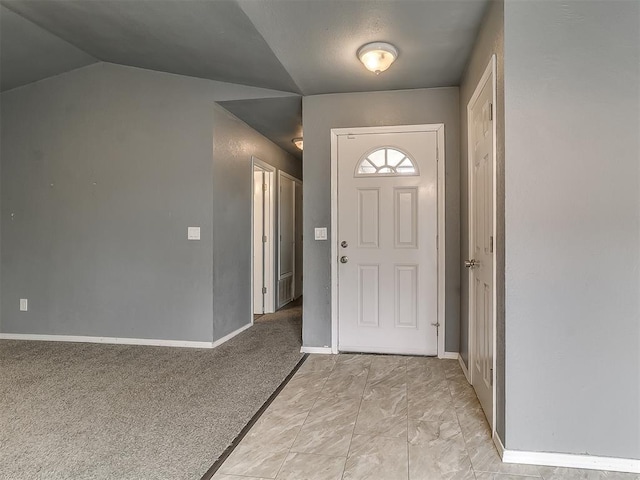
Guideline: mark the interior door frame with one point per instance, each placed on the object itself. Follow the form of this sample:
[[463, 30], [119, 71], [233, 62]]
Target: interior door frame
[[489, 74], [440, 161], [296, 181], [270, 172]]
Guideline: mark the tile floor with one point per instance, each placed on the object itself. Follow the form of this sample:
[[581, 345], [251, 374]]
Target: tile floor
[[356, 417]]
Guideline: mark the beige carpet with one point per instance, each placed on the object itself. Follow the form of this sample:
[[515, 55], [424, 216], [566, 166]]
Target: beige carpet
[[87, 411]]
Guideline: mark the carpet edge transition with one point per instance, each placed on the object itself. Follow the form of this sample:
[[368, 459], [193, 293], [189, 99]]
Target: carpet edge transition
[[229, 450]]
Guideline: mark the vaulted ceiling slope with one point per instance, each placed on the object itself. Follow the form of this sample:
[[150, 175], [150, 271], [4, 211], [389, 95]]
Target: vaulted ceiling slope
[[29, 53], [206, 39], [299, 46]]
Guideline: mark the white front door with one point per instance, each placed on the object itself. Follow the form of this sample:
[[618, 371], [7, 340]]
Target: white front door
[[387, 228], [481, 243]]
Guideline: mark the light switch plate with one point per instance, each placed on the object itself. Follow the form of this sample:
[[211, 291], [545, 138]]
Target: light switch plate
[[24, 304], [193, 233], [320, 233]]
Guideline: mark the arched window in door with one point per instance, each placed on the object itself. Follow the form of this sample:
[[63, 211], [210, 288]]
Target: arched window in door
[[386, 161]]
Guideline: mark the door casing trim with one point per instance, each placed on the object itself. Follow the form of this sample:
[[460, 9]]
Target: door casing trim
[[490, 71], [441, 163], [270, 299]]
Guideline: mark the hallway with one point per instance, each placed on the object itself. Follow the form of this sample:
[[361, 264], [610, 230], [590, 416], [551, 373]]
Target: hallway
[[356, 417]]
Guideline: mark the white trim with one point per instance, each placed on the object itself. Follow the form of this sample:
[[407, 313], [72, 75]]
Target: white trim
[[589, 462], [464, 368], [270, 297], [289, 176], [437, 127], [450, 356], [490, 71], [122, 340], [441, 167], [320, 350], [229, 336], [498, 443], [109, 340]]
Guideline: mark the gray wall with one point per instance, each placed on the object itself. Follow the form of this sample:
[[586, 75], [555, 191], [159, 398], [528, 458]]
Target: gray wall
[[490, 42], [104, 168], [320, 114], [234, 144], [572, 97]]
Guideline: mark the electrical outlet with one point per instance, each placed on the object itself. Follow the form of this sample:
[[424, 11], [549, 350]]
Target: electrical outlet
[[24, 304]]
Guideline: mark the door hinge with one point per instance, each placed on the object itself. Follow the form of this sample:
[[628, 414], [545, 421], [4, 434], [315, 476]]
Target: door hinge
[[491, 244], [264, 187], [490, 111], [264, 290], [264, 239]]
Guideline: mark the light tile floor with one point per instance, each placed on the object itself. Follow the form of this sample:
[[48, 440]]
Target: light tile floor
[[357, 417]]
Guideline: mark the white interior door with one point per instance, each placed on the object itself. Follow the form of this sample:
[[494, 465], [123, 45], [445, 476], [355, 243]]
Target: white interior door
[[258, 241], [481, 243], [298, 242], [286, 200], [387, 228]]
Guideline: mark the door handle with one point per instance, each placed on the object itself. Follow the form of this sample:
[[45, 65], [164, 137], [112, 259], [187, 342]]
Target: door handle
[[344, 259], [471, 263]]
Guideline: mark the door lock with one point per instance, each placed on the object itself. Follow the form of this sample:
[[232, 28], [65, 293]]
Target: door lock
[[344, 259], [344, 244], [471, 263]]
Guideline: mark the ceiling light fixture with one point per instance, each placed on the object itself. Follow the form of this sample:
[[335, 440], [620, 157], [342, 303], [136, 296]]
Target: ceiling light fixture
[[377, 56], [297, 142]]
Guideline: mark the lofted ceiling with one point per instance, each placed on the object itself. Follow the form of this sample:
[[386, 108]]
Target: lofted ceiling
[[305, 47]]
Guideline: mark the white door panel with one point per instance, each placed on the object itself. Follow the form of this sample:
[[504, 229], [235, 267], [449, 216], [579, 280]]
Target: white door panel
[[482, 248], [387, 227], [258, 244], [298, 242], [286, 202]]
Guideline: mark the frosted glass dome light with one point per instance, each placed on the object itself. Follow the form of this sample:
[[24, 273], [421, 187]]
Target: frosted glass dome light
[[377, 56]]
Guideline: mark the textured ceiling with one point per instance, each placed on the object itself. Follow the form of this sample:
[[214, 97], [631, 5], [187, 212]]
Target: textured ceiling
[[28, 53], [317, 41], [303, 47], [207, 39], [279, 119]]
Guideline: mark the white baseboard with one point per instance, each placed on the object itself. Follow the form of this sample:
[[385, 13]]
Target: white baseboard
[[321, 350], [109, 340], [449, 356], [589, 462], [220, 341], [121, 340], [498, 443], [464, 368]]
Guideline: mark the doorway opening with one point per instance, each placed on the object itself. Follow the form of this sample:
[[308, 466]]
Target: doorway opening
[[289, 239], [263, 226]]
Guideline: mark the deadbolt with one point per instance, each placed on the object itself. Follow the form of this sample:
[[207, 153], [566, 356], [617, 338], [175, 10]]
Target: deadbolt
[[344, 244], [344, 259]]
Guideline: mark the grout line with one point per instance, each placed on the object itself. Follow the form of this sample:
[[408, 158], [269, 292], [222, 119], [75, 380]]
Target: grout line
[[305, 420], [356, 422], [229, 450]]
